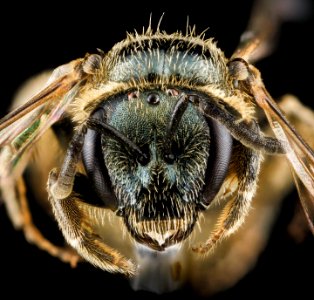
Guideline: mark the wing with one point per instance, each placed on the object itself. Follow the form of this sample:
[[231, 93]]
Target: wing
[[255, 43], [298, 152], [20, 129]]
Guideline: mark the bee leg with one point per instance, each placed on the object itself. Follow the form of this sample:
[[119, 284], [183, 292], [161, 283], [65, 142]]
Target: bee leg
[[13, 192], [34, 236], [11, 201], [246, 163], [239, 253], [79, 232], [75, 225]]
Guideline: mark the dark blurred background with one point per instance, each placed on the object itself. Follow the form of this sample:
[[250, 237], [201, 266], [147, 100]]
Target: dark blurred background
[[34, 39]]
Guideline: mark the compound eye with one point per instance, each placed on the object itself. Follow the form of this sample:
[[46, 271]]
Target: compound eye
[[93, 160], [133, 95], [172, 92]]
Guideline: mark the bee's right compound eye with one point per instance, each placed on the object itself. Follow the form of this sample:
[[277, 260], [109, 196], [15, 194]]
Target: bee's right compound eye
[[95, 166]]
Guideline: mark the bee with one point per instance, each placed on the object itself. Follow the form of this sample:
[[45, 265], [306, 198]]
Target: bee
[[141, 145]]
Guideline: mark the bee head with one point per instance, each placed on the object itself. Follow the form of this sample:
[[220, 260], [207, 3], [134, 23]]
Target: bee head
[[157, 171]]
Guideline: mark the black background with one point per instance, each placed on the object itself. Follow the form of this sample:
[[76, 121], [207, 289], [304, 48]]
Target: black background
[[32, 41]]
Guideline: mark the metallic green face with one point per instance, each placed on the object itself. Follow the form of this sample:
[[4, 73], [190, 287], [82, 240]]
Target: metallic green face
[[159, 198]]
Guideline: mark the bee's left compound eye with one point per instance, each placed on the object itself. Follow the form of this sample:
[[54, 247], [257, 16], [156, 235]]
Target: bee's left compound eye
[[153, 98]]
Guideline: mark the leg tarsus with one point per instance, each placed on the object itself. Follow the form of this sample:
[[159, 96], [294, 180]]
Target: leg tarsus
[[34, 236], [215, 237], [220, 231]]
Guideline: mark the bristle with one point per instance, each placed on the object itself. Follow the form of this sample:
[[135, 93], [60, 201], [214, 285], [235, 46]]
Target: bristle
[[159, 23]]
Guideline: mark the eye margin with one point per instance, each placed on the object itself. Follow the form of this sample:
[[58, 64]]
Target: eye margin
[[95, 167]]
